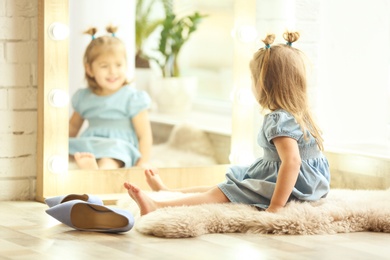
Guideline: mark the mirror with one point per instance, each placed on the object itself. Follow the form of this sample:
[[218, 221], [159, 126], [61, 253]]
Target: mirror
[[212, 67], [52, 138], [53, 79]]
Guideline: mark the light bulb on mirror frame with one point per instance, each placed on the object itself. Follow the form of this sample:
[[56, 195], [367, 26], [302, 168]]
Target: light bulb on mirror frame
[[58, 31], [58, 98], [58, 164]]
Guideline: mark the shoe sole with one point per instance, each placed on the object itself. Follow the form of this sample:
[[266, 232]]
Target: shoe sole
[[95, 217]]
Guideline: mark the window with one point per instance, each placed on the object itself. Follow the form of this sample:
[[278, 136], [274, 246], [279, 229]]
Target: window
[[353, 72]]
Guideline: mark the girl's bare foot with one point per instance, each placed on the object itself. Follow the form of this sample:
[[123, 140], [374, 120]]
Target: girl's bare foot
[[154, 180], [86, 161], [143, 201]]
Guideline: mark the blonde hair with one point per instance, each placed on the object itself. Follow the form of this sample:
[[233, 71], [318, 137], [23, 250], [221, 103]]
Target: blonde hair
[[98, 46], [279, 76]]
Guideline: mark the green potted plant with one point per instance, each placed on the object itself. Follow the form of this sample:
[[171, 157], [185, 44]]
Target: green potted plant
[[172, 92], [145, 25], [175, 32]]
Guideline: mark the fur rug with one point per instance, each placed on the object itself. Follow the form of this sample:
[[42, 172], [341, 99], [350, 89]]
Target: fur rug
[[342, 211]]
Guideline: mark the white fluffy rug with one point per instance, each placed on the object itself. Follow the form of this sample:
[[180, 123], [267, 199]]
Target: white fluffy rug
[[341, 212]]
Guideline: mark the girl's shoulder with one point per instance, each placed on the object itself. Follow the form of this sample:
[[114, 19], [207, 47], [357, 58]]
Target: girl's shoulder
[[279, 115], [132, 93], [281, 123], [136, 99], [80, 95]]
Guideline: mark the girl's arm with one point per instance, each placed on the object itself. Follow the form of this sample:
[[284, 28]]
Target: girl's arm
[[288, 173], [75, 123], [144, 133]]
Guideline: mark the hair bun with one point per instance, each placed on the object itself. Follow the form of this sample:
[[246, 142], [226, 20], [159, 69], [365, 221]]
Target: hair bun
[[91, 31], [111, 29], [269, 39], [291, 37]]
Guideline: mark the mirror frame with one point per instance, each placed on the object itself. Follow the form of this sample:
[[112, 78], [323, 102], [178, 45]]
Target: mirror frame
[[52, 136]]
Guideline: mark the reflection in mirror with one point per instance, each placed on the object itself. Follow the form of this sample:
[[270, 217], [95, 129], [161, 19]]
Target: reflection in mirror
[[208, 54], [199, 139], [53, 121], [99, 108]]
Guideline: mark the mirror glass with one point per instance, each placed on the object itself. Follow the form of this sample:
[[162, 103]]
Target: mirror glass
[[208, 55], [212, 65]]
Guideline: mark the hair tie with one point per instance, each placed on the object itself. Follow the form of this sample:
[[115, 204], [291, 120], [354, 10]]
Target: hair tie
[[267, 46], [113, 34], [289, 43], [93, 37]]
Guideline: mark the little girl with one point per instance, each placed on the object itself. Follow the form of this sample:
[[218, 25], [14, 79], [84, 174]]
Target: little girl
[[293, 166], [119, 132]]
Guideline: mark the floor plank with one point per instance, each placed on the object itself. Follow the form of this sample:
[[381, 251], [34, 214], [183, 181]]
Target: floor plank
[[27, 232]]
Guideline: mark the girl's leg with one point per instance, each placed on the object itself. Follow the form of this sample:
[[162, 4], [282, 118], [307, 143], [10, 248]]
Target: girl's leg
[[109, 163], [156, 184], [147, 205], [86, 161]]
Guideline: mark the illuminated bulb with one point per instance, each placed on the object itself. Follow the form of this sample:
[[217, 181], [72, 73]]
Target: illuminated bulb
[[58, 31], [58, 98], [58, 164]]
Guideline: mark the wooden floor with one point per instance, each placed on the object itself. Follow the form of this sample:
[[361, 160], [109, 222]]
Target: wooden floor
[[27, 232]]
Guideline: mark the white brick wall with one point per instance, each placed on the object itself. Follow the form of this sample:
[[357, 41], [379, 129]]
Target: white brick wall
[[18, 98]]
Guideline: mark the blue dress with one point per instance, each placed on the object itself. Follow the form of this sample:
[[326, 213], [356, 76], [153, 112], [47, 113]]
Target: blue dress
[[110, 132], [255, 184]]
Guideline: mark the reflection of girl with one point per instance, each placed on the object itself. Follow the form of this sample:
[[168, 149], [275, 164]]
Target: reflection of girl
[[119, 132], [293, 166]]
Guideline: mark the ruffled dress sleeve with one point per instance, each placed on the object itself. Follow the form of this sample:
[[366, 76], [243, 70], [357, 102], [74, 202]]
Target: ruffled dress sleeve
[[281, 123], [138, 101]]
